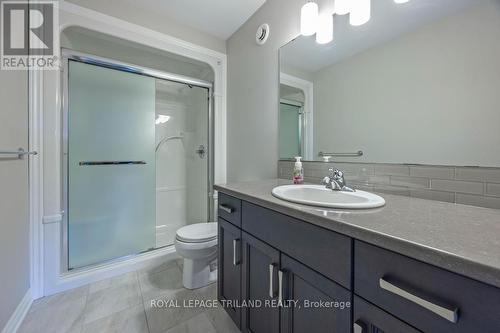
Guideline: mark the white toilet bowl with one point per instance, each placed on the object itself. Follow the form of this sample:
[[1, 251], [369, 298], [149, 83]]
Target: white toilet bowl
[[197, 244]]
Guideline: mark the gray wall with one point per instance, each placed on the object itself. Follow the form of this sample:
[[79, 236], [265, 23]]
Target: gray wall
[[14, 227], [252, 120], [154, 21]]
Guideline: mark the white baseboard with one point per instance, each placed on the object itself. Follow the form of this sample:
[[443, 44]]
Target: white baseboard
[[18, 316]]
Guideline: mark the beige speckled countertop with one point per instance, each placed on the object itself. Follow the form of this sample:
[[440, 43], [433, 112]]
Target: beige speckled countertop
[[462, 239]]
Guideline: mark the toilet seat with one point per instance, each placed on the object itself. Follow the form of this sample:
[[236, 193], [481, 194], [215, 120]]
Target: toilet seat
[[197, 233]]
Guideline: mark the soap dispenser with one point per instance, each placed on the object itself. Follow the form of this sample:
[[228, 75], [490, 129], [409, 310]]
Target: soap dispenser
[[298, 171]]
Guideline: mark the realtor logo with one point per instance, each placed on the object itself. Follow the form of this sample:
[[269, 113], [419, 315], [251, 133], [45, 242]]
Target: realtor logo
[[29, 32]]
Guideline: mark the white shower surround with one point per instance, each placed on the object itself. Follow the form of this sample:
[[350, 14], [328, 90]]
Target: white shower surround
[[45, 136]]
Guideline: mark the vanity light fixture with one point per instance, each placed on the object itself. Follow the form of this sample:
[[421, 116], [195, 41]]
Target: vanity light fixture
[[360, 12], [325, 28], [342, 7], [309, 19]]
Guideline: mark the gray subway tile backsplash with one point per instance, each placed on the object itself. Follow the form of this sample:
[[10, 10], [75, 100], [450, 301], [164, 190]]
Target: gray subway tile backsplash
[[489, 175], [433, 195], [457, 186], [392, 169], [475, 186], [493, 189], [478, 200], [412, 182], [432, 172]]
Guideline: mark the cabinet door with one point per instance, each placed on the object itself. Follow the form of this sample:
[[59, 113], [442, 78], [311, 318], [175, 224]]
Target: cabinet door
[[370, 319], [229, 269], [260, 284], [311, 302]]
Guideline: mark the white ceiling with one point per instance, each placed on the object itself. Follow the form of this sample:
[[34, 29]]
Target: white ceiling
[[389, 20], [220, 18]]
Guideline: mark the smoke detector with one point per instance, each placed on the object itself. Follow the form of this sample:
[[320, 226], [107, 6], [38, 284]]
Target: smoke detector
[[262, 34]]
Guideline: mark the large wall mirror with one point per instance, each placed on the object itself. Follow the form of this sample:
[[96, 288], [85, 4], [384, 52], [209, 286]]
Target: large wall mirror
[[418, 84]]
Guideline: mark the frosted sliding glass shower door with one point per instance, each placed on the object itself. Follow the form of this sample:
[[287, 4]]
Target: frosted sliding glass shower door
[[111, 164]]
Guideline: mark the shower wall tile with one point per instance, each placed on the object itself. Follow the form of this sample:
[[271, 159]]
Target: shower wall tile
[[466, 185]]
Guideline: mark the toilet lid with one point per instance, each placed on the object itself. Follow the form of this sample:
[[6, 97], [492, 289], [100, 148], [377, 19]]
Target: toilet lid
[[198, 233]]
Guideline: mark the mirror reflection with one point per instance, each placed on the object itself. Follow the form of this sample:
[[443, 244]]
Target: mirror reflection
[[418, 84]]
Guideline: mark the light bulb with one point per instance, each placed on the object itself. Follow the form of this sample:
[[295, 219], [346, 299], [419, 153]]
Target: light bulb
[[309, 19], [360, 12], [401, 1], [342, 7], [325, 29]]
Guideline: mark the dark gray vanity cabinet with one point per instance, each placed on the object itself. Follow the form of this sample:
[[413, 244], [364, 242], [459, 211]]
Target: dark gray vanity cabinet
[[312, 303], [294, 277], [229, 269], [261, 263], [275, 259]]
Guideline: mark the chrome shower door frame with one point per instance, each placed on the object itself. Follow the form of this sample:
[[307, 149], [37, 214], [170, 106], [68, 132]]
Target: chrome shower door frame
[[68, 55]]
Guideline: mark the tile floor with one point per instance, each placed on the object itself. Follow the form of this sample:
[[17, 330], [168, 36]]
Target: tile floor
[[123, 304]]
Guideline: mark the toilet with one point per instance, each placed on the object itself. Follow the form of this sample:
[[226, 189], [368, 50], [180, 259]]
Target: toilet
[[197, 244]]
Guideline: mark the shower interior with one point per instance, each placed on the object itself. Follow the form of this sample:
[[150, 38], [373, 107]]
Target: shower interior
[[181, 158], [181, 149]]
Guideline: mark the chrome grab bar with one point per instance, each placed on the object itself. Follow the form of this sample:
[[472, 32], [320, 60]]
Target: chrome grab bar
[[20, 152], [359, 153], [450, 314], [92, 163]]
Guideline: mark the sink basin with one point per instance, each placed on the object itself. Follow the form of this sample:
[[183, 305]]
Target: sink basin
[[319, 195]]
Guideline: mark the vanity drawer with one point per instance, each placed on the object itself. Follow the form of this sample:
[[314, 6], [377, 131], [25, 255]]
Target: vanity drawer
[[229, 208], [369, 318], [427, 297], [326, 252]]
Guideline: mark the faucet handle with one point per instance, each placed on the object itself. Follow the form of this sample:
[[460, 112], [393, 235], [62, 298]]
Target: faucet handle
[[331, 172], [335, 173]]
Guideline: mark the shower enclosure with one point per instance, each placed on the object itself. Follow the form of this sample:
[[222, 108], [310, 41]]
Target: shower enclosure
[[137, 158]]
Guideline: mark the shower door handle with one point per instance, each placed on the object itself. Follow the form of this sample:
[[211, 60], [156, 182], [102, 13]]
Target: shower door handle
[[92, 163]]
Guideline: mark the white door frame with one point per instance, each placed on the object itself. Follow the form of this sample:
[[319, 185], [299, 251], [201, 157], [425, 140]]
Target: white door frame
[[308, 88], [46, 137]]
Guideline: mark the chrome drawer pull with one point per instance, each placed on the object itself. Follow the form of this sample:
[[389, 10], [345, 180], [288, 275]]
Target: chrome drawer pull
[[236, 259], [448, 314], [271, 282], [225, 208], [359, 327]]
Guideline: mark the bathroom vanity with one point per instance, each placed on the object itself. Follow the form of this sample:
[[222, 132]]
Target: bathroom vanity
[[411, 266]]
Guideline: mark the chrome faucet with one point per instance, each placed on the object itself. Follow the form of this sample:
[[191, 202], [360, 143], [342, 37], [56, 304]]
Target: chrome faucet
[[336, 181]]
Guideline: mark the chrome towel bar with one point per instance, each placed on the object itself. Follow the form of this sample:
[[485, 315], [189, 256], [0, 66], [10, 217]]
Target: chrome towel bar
[[20, 152], [356, 154], [93, 163]]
